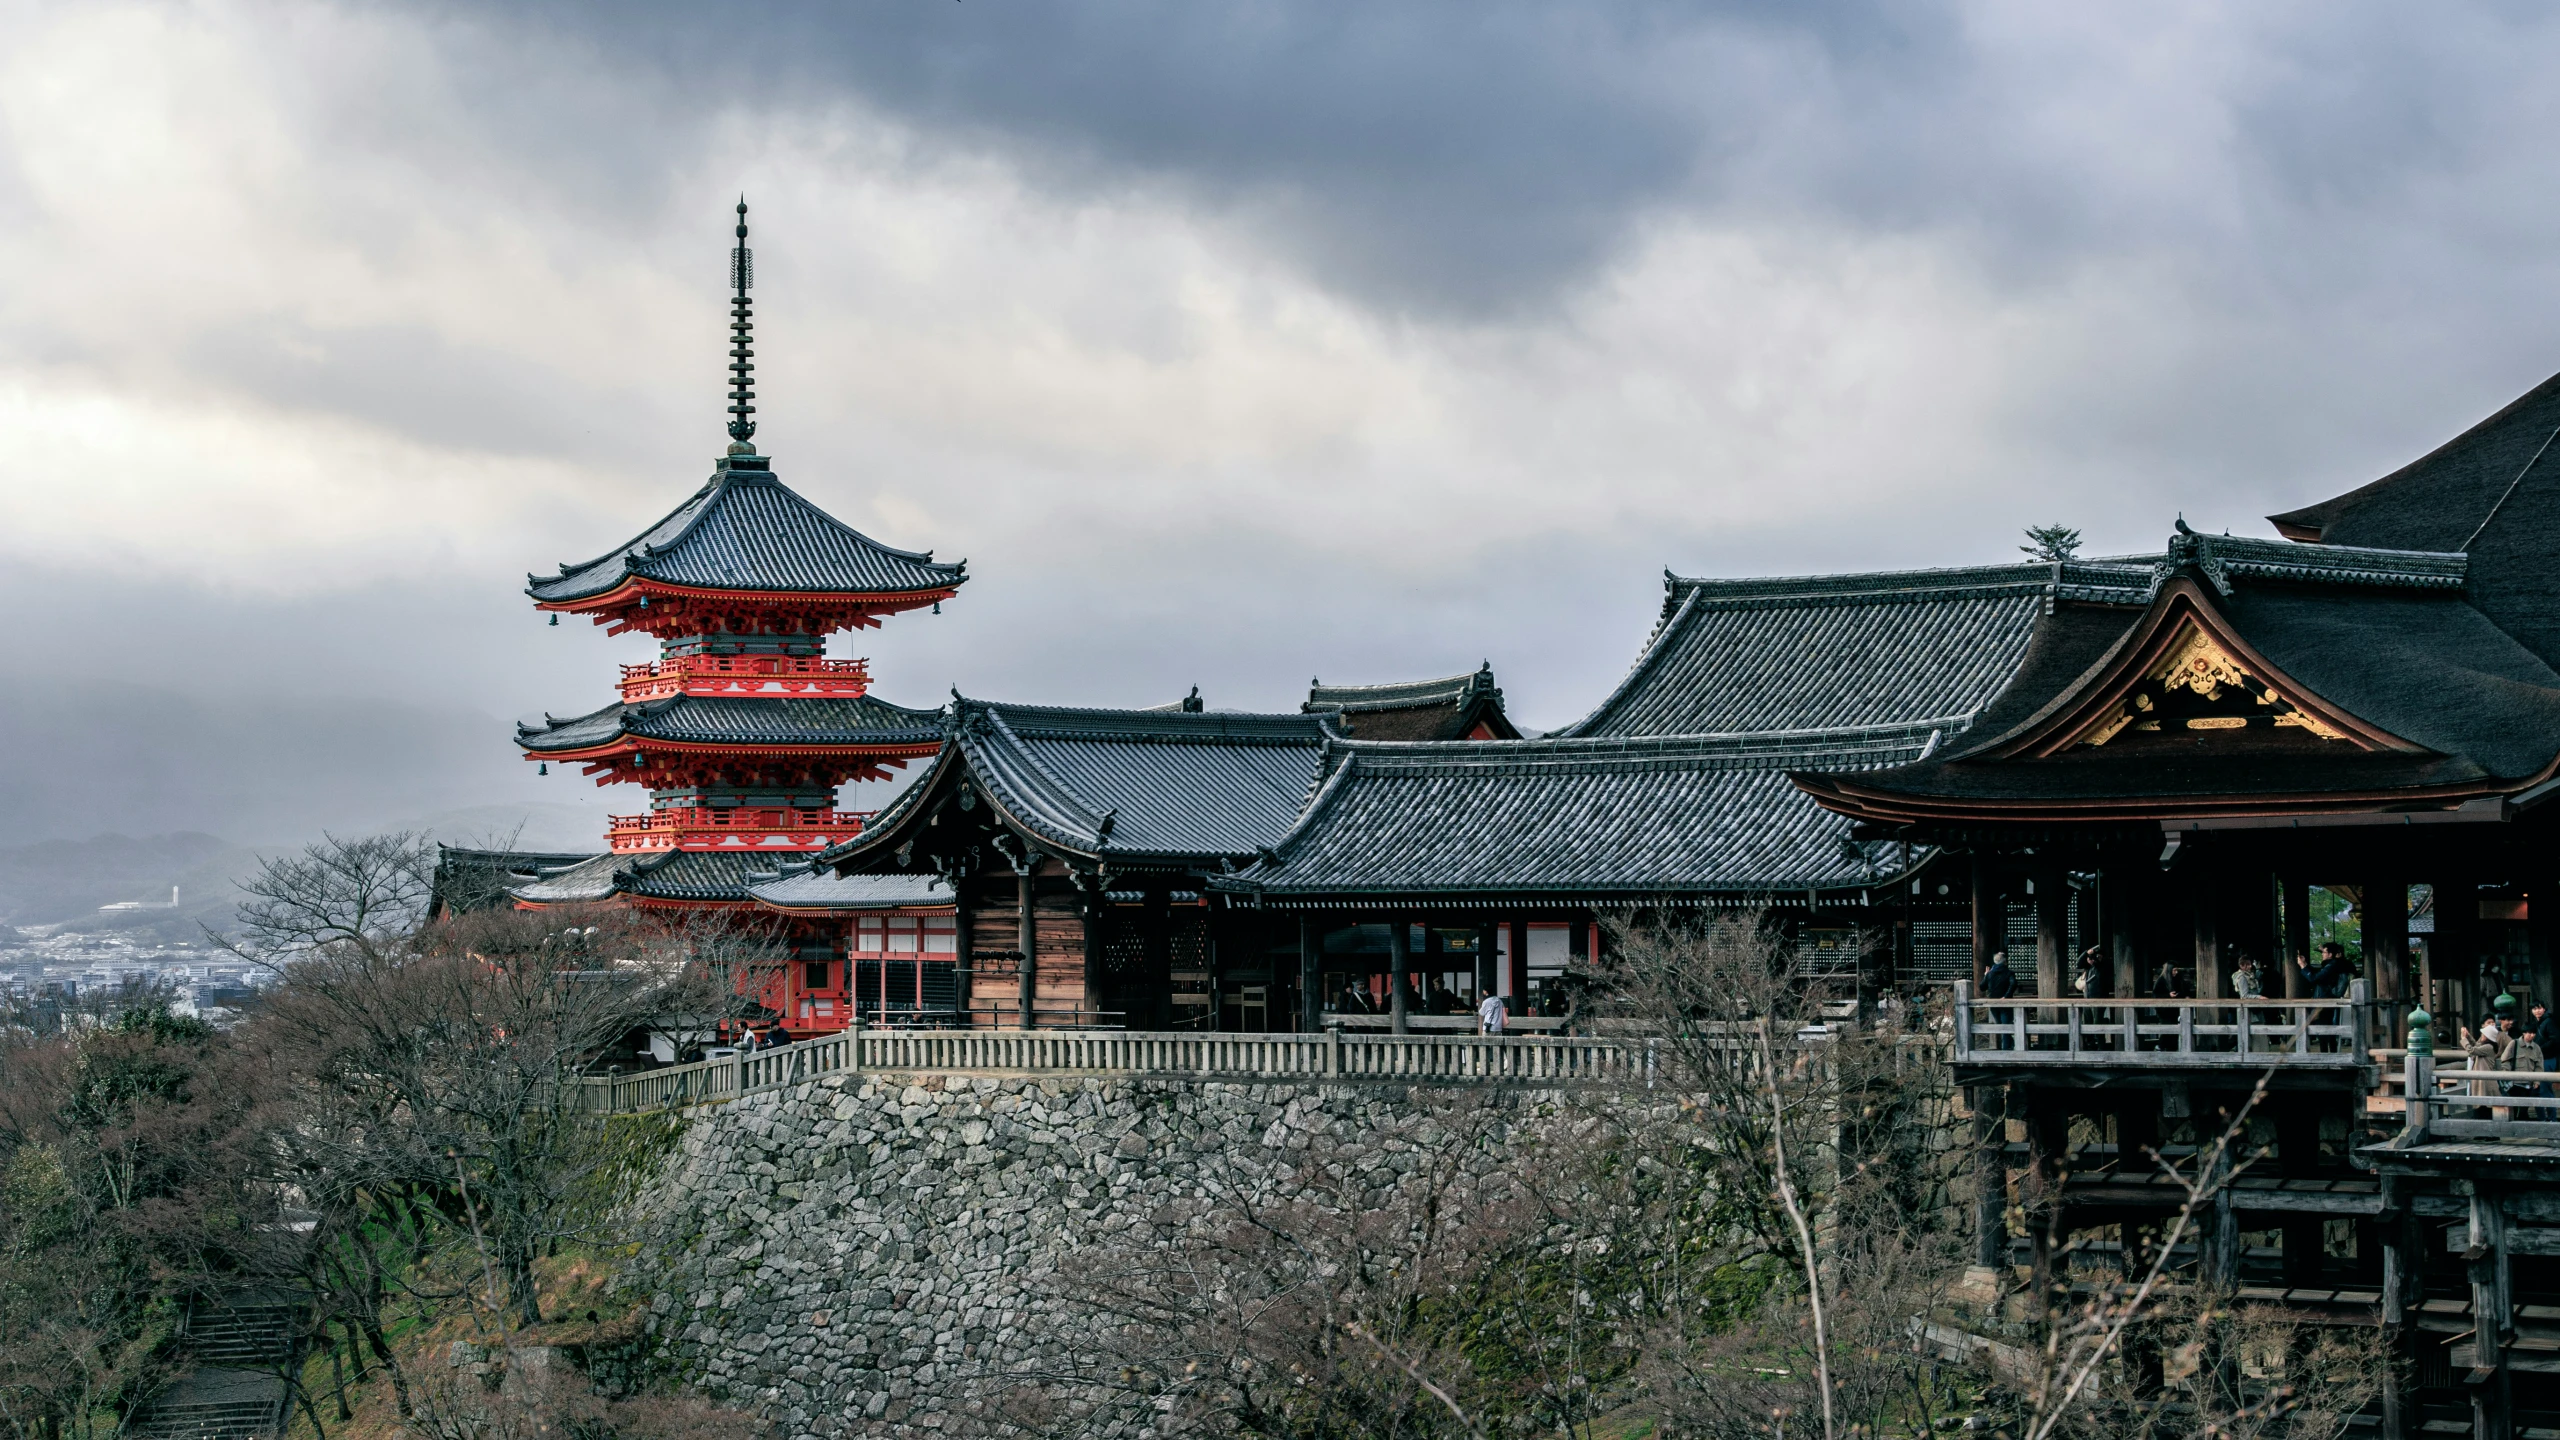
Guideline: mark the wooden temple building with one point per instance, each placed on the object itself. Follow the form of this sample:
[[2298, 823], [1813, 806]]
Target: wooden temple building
[[2370, 706], [2156, 761]]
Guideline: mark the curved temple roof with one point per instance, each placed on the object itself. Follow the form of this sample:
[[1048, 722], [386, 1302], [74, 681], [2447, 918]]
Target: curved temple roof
[[1443, 709], [745, 722], [2432, 702], [804, 889], [746, 530], [1663, 817], [1143, 784], [1822, 651], [680, 876]]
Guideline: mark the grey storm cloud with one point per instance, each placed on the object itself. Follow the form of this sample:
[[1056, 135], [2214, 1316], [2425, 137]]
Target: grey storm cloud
[[1471, 156], [1234, 341]]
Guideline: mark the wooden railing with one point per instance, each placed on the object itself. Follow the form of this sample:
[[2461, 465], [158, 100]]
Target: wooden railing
[[2447, 1105], [2204, 1034], [740, 828], [1331, 1055], [746, 674]]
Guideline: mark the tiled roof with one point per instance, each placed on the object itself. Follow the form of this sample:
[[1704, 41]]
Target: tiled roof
[[724, 720], [1452, 690], [1147, 784], [803, 888], [1687, 815], [687, 875], [470, 879], [746, 530], [1446, 709], [1827, 651], [2491, 492]]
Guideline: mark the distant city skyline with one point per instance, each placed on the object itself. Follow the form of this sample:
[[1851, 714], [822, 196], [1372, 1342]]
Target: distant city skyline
[[1231, 346]]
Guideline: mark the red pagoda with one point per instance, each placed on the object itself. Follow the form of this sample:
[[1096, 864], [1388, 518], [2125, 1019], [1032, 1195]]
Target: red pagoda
[[743, 729]]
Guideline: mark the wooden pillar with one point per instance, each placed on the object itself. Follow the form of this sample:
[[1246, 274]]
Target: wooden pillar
[[2492, 1315], [1028, 940], [2120, 908], [1990, 920], [2385, 927], [2453, 953], [2298, 1158], [1486, 981], [1990, 1176], [2208, 932], [1149, 1004], [1213, 959], [1399, 962], [1580, 940], [2404, 1291], [2541, 919], [2297, 938], [1519, 981], [964, 948], [1096, 911], [2048, 1143], [1310, 975], [2053, 932]]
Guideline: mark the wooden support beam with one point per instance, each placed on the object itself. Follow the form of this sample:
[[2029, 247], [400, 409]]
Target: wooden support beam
[[2297, 938], [2206, 929], [2053, 931], [1310, 975], [1990, 919], [2492, 1318], [1027, 940], [1990, 1175], [1399, 966], [2384, 925], [1486, 981], [2298, 1158], [2120, 893]]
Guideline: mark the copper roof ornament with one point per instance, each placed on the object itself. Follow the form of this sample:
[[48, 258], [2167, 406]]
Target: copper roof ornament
[[742, 325]]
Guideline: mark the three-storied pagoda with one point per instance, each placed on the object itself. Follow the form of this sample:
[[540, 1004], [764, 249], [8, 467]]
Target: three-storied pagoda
[[743, 728]]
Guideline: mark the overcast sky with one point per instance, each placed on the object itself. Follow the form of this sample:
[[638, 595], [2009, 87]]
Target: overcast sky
[[1231, 343]]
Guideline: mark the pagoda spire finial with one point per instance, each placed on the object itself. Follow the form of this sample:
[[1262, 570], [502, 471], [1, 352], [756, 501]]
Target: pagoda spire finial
[[742, 326]]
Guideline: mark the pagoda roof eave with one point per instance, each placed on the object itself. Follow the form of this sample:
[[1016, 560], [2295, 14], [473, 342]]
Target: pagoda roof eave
[[633, 589], [626, 744]]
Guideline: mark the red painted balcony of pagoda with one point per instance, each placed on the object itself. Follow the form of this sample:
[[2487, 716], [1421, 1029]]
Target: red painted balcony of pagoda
[[755, 675], [780, 832]]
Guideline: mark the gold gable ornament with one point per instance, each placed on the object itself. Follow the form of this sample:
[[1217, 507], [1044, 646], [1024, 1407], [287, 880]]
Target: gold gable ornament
[[2198, 665]]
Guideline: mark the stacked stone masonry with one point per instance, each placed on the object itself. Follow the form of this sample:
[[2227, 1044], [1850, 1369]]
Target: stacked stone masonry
[[875, 1254]]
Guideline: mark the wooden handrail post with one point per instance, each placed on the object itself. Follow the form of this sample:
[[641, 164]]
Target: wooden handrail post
[[1964, 1018]]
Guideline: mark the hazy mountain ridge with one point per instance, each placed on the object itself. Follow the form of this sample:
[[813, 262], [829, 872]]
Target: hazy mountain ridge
[[83, 758]]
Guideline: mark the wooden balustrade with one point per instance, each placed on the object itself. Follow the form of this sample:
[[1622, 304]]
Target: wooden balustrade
[[718, 674], [740, 828], [1331, 1055], [2446, 1104], [2175, 1034]]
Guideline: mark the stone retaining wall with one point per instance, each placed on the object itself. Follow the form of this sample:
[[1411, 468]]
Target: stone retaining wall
[[874, 1254]]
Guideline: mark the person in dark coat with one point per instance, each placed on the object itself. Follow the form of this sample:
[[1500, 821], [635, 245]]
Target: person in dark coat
[[2328, 979], [1998, 981]]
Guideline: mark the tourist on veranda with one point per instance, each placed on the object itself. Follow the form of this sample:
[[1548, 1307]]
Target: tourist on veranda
[[2546, 1036], [2085, 981], [2488, 1050], [1492, 1015], [2328, 979]]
